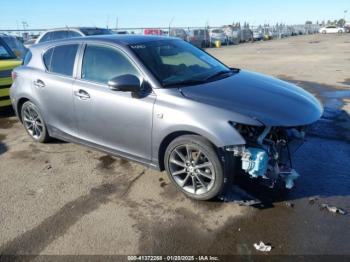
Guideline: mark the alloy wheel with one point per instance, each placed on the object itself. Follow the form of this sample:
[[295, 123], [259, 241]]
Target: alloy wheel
[[33, 122], [191, 169]]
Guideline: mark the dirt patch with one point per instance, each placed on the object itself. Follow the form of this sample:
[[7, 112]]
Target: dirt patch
[[6, 123], [106, 162], [124, 163], [22, 154], [2, 137]]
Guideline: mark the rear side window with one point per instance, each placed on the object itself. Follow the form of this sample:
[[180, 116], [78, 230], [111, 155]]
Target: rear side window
[[60, 59]]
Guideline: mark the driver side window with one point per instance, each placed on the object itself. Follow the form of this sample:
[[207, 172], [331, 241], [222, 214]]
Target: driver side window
[[101, 63]]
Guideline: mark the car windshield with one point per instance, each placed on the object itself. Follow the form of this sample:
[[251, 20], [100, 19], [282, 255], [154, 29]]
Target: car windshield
[[5, 53], [96, 31], [175, 62]]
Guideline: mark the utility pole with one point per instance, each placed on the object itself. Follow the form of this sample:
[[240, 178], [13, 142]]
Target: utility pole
[[171, 21]]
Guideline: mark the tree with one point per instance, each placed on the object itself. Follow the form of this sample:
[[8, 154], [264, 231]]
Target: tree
[[341, 22], [308, 23]]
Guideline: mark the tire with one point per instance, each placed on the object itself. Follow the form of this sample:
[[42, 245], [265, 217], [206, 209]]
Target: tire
[[340, 31], [324, 32], [205, 175], [33, 122]]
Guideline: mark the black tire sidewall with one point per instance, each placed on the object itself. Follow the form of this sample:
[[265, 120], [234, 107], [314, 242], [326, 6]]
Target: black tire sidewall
[[44, 136], [221, 177]]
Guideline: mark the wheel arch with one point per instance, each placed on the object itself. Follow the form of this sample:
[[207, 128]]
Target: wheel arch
[[19, 105]]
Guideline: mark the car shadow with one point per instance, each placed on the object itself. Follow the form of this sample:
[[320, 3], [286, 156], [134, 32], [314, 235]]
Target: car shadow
[[3, 148], [323, 162], [6, 112]]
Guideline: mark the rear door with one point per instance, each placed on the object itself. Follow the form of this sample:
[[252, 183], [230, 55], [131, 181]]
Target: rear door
[[120, 121], [55, 87]]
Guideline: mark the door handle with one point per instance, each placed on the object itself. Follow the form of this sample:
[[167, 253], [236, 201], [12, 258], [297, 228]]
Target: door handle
[[82, 94], [39, 83]]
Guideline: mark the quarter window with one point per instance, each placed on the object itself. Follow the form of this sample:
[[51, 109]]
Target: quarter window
[[60, 59], [47, 37], [100, 64], [71, 34], [59, 35], [47, 58]]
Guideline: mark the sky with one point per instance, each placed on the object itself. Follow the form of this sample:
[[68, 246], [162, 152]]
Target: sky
[[159, 13]]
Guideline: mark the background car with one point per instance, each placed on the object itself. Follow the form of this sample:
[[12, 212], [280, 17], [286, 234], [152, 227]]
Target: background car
[[64, 33], [332, 29], [16, 46], [217, 34], [347, 27], [29, 42], [233, 34], [198, 37], [258, 35], [178, 32], [246, 35], [8, 61]]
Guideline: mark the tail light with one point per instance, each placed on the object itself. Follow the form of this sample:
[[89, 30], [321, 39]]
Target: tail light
[[13, 75]]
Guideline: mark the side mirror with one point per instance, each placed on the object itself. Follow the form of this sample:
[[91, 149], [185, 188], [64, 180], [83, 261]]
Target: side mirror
[[125, 83]]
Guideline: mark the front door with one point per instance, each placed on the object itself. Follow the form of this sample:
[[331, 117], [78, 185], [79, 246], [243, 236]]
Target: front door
[[120, 121]]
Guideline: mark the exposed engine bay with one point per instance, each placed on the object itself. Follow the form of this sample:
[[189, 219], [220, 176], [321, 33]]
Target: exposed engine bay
[[267, 152]]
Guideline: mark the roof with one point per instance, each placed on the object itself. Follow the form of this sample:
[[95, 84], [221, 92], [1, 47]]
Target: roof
[[75, 28], [118, 39]]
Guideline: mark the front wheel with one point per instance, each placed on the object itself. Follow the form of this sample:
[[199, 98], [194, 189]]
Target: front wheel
[[34, 123], [193, 165]]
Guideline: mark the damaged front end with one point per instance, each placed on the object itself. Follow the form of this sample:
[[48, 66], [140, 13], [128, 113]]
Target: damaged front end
[[267, 152]]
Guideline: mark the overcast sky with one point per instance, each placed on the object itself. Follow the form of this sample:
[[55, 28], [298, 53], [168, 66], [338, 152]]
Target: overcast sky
[[153, 13]]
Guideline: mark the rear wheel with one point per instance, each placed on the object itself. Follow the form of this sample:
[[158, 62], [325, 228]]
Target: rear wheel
[[34, 123], [340, 31], [193, 165], [324, 32]]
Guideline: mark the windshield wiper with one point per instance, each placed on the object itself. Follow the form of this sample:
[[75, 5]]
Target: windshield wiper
[[223, 72], [185, 82]]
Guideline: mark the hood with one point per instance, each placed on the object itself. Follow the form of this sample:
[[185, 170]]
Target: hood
[[269, 100]]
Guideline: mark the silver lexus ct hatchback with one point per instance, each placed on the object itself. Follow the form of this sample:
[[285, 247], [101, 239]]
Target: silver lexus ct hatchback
[[164, 103]]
